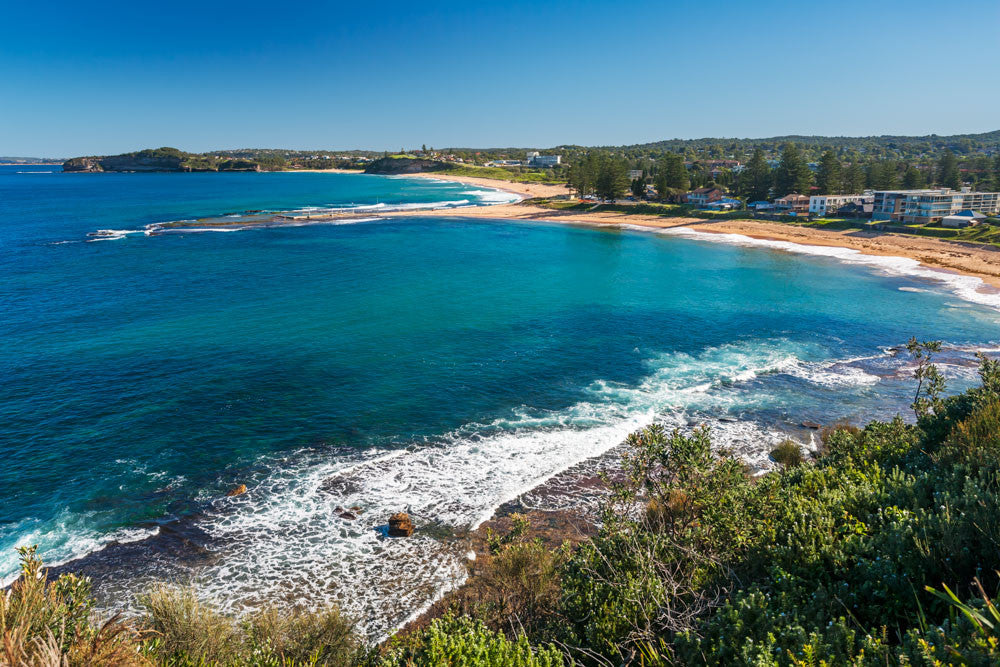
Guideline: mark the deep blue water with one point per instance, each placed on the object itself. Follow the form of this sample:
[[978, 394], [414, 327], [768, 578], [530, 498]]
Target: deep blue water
[[439, 364]]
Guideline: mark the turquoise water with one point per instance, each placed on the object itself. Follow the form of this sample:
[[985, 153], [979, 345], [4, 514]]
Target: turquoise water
[[443, 365]]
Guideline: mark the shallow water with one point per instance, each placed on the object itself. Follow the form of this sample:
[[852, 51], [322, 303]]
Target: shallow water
[[436, 365]]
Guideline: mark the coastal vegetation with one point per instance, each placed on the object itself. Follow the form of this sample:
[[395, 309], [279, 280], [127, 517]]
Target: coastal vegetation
[[881, 547]]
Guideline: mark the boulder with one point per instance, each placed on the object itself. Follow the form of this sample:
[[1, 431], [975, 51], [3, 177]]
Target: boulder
[[237, 490], [349, 516], [813, 425], [400, 525]]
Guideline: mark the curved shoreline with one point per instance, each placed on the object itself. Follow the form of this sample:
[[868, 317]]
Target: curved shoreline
[[982, 262]]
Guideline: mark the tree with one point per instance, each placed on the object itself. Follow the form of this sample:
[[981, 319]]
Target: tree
[[792, 174], [756, 179], [612, 178], [947, 174], [913, 178], [882, 175], [583, 175], [996, 173], [829, 177], [671, 174], [930, 382], [854, 178], [638, 188]]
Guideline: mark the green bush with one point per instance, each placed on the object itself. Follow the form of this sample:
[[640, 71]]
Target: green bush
[[188, 631], [53, 623], [463, 642], [788, 453]]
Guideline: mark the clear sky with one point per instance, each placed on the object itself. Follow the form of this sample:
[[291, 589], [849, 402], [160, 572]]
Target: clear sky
[[105, 77]]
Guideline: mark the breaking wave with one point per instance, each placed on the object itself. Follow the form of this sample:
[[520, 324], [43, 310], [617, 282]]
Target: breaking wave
[[313, 530]]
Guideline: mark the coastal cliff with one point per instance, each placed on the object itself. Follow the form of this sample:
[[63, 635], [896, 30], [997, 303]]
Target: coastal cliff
[[160, 159], [404, 165]]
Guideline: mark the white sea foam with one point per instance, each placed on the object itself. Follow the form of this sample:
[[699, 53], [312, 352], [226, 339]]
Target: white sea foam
[[968, 288], [286, 539], [111, 234], [492, 197], [65, 538]]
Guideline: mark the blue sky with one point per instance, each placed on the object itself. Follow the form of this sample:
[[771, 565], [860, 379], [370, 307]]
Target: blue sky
[[106, 77]]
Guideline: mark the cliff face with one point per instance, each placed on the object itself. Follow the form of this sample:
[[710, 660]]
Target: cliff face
[[400, 165], [160, 159], [125, 163]]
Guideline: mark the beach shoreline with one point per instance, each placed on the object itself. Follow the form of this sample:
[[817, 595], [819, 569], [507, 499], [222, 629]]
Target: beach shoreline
[[952, 257]]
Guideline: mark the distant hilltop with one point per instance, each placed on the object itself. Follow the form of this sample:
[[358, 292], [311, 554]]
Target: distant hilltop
[[167, 159], [6, 159]]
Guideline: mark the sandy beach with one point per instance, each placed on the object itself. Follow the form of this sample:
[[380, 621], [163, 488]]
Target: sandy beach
[[974, 260], [980, 261]]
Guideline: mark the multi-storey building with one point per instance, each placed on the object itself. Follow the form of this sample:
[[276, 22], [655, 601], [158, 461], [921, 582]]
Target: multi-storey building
[[793, 203], [822, 205], [922, 207]]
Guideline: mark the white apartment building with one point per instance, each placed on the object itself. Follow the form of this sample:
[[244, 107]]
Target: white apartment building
[[536, 160], [923, 207], [822, 205]]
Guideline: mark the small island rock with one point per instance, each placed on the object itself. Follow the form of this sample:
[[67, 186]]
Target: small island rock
[[237, 490], [400, 525]]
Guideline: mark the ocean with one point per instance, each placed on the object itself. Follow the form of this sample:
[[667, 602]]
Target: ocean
[[440, 366]]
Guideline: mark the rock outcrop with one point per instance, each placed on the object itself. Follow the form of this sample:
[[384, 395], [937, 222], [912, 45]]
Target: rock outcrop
[[400, 525], [237, 490], [159, 159], [403, 165]]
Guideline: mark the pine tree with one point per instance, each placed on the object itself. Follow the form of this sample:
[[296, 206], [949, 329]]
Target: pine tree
[[671, 174], [829, 177], [792, 174], [882, 175], [756, 179], [913, 178], [582, 175], [996, 173], [854, 178], [612, 178], [947, 174], [638, 188]]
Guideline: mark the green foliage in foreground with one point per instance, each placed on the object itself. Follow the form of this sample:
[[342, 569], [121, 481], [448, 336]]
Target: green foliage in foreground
[[466, 642], [883, 550]]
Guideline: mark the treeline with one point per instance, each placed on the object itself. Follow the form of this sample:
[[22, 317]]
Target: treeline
[[886, 147], [763, 179]]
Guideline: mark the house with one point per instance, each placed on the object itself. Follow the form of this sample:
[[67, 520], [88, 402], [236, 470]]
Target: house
[[792, 203], [703, 196], [760, 205], [724, 204], [855, 210], [966, 218], [821, 205], [923, 207]]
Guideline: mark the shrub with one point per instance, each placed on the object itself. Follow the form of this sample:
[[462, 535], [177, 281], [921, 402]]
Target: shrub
[[188, 630], [322, 638], [976, 439], [463, 642], [520, 583], [788, 453], [52, 623]]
